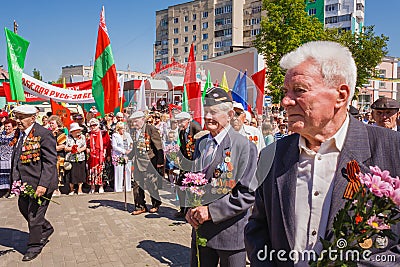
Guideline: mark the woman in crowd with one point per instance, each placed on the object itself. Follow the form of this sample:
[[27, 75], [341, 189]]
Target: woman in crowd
[[56, 126], [121, 145], [5, 156], [75, 148], [267, 132], [98, 149]]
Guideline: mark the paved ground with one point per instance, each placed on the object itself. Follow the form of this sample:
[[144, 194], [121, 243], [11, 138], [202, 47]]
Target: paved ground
[[95, 230]]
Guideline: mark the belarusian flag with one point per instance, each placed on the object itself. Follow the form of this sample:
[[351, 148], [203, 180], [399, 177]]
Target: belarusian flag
[[105, 84]]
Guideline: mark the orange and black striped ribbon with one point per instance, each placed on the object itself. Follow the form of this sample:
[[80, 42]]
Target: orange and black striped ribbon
[[354, 183]]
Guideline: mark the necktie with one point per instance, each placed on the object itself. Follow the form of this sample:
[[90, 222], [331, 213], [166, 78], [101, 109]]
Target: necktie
[[210, 146]]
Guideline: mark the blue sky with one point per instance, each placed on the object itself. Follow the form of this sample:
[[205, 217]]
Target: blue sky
[[63, 33]]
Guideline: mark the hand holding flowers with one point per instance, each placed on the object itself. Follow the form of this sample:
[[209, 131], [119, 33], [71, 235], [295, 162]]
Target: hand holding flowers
[[23, 189]]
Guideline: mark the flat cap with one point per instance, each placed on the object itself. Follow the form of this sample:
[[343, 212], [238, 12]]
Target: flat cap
[[119, 115], [136, 115], [385, 103], [182, 116], [25, 109], [215, 96]]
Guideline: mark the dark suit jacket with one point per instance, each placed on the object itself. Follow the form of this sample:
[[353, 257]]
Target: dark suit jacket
[[42, 172], [194, 128], [230, 212], [273, 220], [155, 154]]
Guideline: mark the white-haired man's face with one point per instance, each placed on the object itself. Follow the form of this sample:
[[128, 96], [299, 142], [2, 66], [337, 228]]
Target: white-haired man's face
[[311, 104], [216, 119]]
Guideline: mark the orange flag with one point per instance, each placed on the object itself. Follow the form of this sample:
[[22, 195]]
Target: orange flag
[[62, 112]]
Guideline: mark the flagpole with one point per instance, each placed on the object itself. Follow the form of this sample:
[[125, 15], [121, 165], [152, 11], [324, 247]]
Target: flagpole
[[16, 32]]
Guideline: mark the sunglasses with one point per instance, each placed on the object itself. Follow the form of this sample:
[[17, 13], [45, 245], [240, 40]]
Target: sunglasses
[[238, 113], [94, 125]]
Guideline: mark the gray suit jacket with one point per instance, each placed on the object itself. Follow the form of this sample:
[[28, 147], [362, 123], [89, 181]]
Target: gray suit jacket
[[229, 212], [273, 219]]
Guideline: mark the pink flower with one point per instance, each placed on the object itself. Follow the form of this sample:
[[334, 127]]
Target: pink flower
[[196, 190], [377, 223], [395, 196], [187, 181], [396, 182], [378, 187]]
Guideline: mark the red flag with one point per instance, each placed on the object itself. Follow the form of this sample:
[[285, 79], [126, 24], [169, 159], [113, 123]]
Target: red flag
[[104, 84], [62, 112], [193, 87], [259, 81], [29, 97]]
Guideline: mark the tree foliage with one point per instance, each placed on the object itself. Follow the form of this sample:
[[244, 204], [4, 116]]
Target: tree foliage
[[36, 74], [287, 25]]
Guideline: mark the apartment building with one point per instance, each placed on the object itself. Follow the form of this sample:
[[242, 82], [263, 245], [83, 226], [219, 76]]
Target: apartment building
[[74, 73], [213, 26], [343, 14]]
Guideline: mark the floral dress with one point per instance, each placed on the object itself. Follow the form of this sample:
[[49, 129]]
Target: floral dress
[[5, 159]]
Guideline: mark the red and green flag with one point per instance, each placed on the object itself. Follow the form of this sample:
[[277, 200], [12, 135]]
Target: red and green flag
[[185, 104], [16, 53], [105, 83], [207, 85]]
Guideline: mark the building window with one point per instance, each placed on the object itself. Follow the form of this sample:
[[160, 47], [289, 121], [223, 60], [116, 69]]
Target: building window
[[205, 25], [205, 14], [186, 49], [194, 37], [254, 32], [164, 22], [312, 11], [186, 18], [256, 10], [205, 36], [164, 42], [186, 39], [164, 62], [175, 51], [195, 48], [176, 40], [332, 7], [194, 16], [360, 6], [205, 46], [255, 21], [186, 28], [218, 44], [176, 20], [205, 57], [186, 59], [194, 27], [176, 30]]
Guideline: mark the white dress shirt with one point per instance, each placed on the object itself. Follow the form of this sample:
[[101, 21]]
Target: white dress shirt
[[314, 191]]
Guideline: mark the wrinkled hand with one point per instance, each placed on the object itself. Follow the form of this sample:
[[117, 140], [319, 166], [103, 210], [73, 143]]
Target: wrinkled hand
[[197, 216], [160, 165], [40, 190]]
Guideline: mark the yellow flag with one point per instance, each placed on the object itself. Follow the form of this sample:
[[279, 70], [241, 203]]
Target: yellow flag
[[224, 83]]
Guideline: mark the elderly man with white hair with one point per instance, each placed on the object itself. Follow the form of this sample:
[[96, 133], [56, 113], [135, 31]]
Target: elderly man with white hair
[[302, 176]]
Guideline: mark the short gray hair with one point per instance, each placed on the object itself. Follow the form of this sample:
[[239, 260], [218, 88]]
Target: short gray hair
[[225, 106], [335, 60]]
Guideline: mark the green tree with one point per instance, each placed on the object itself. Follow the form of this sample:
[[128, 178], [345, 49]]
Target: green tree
[[285, 27], [36, 74], [367, 49]]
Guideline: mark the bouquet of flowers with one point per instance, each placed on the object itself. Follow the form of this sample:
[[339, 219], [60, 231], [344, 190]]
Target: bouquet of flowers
[[366, 218], [171, 151], [193, 183], [118, 160], [74, 151], [19, 188]]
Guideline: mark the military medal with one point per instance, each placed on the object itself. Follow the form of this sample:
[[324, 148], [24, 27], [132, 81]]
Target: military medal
[[366, 244], [225, 190], [381, 242], [219, 190], [213, 190], [229, 175]]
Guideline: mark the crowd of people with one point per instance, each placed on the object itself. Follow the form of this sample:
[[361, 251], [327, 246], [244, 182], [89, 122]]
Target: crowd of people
[[272, 179]]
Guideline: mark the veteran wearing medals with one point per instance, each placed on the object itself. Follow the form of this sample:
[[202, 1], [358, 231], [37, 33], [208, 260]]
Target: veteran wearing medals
[[148, 160], [228, 161], [304, 176], [34, 162], [251, 132], [187, 130]]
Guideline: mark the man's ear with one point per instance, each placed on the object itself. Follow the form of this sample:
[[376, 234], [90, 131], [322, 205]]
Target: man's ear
[[231, 113], [343, 95]]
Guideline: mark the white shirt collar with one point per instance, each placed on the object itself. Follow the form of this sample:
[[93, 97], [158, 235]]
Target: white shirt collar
[[219, 137], [337, 139], [28, 130]]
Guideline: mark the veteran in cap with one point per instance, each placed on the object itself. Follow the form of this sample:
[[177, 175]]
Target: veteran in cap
[[148, 161], [385, 112], [33, 162], [227, 159]]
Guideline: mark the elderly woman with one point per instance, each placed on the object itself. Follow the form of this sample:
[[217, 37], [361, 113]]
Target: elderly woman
[[75, 148], [5, 156], [98, 149], [121, 146], [56, 126]]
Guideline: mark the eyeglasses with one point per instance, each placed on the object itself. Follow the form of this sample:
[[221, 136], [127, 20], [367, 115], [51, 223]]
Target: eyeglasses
[[94, 125], [238, 113]]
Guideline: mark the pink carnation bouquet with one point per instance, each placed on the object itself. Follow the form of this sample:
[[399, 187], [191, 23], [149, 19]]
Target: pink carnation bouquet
[[23, 189], [365, 219]]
